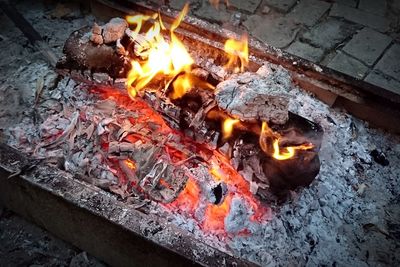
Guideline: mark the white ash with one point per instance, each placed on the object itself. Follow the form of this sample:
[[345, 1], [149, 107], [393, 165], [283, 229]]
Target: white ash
[[328, 223], [250, 96], [108, 33], [238, 217]]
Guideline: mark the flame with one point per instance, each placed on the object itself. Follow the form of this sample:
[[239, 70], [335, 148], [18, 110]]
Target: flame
[[278, 153], [164, 58], [184, 82], [227, 127], [191, 201], [131, 164], [290, 151], [181, 86], [238, 53]]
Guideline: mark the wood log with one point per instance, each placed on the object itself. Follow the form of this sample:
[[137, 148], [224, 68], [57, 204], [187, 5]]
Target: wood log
[[200, 113]]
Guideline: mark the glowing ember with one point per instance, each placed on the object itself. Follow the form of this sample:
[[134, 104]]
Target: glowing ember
[[238, 53], [216, 214], [167, 58], [131, 164], [278, 153], [188, 200], [191, 200]]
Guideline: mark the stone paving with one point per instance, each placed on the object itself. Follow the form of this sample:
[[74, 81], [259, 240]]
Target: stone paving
[[360, 38]]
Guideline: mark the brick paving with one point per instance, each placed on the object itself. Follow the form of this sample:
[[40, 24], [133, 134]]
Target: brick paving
[[360, 38]]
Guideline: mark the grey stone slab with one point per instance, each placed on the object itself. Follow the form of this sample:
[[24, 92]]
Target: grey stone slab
[[329, 33], [210, 13], [377, 78], [351, 3], [361, 17], [276, 31], [308, 12], [306, 51], [249, 5], [367, 45], [377, 7], [281, 5], [252, 22], [348, 65], [389, 64], [177, 4]]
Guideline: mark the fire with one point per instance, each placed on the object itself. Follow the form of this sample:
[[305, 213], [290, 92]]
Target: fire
[[290, 151], [238, 53], [192, 201], [227, 127], [188, 200], [166, 58], [131, 164], [184, 82], [279, 154]]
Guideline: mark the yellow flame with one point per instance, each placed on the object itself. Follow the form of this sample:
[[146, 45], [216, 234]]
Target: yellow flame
[[227, 127], [131, 164], [238, 54], [185, 82], [278, 153], [164, 58], [181, 86], [290, 151]]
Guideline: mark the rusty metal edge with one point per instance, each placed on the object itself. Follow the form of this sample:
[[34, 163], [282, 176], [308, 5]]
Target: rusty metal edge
[[95, 221]]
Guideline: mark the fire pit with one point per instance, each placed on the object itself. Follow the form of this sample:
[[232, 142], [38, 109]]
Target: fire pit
[[203, 142]]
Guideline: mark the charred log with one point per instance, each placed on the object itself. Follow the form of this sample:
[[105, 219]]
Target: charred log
[[200, 111]]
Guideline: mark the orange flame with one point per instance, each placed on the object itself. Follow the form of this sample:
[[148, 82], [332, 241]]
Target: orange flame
[[164, 58], [184, 82], [227, 127], [279, 154], [131, 164], [238, 53], [290, 151]]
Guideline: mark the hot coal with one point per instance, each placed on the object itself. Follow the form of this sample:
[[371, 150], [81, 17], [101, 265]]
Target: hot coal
[[322, 225], [252, 97]]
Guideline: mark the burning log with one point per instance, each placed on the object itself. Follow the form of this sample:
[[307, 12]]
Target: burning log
[[246, 115]]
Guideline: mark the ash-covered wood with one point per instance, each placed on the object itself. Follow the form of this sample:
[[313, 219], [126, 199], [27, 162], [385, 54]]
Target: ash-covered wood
[[148, 168], [253, 97], [97, 49], [82, 54], [268, 175]]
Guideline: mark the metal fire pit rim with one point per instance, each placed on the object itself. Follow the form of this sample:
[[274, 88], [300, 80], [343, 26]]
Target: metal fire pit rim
[[91, 199]]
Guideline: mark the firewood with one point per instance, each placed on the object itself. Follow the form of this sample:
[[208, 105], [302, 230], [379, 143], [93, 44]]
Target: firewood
[[251, 97]]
